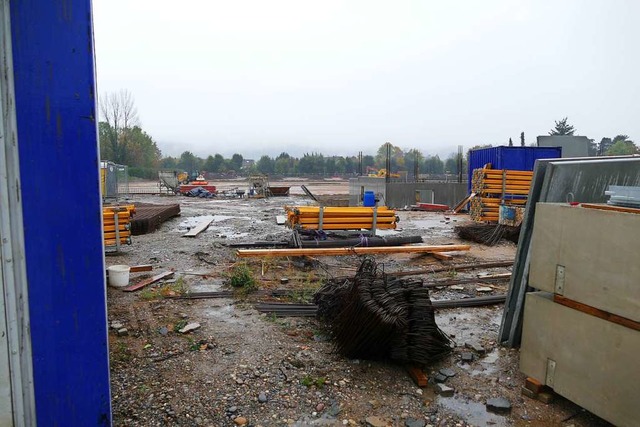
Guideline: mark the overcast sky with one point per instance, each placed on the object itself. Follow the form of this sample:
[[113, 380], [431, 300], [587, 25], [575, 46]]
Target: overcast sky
[[338, 77]]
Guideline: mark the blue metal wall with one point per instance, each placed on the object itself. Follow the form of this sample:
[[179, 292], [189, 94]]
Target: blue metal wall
[[57, 138], [512, 158]]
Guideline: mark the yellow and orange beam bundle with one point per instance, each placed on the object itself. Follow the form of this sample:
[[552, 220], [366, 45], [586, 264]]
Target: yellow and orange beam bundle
[[494, 187], [340, 218], [123, 224]]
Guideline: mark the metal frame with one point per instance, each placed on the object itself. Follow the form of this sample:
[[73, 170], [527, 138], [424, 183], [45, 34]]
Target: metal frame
[[56, 116], [15, 341]]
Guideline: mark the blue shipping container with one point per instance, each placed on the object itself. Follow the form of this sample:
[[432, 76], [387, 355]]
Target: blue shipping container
[[512, 158]]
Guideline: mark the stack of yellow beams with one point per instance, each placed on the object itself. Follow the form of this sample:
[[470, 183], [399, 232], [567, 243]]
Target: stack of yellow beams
[[494, 187], [123, 225], [340, 218]]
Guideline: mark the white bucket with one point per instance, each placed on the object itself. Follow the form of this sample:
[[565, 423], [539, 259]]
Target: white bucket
[[118, 275]]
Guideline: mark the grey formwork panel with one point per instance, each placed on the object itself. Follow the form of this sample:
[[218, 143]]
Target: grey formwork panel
[[588, 255], [556, 180], [588, 360]]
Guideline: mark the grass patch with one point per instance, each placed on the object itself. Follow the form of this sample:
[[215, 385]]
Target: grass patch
[[242, 278], [309, 381]]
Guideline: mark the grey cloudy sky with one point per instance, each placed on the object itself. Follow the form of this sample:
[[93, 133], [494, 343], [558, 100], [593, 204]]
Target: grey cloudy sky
[[338, 77]]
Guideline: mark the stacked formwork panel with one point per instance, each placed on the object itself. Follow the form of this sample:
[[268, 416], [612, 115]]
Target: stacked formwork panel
[[581, 333], [495, 187]]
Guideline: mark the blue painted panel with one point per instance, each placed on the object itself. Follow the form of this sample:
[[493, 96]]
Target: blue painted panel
[[57, 137], [512, 158]]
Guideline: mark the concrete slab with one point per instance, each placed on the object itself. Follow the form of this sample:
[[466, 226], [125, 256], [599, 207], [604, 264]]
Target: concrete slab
[[590, 361], [589, 256]]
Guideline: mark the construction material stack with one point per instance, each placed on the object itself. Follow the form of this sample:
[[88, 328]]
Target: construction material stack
[[494, 188], [340, 218], [116, 225], [581, 331]]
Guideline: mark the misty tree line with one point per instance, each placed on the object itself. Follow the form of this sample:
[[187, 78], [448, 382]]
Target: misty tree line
[[314, 163], [123, 141]]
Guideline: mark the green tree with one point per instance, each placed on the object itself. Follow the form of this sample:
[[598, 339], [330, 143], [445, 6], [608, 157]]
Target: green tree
[[209, 164], [397, 157], [236, 162], [562, 128], [411, 158], [189, 162], [621, 146], [168, 162], [285, 164], [140, 150], [330, 165], [604, 145], [266, 165], [119, 115], [434, 165]]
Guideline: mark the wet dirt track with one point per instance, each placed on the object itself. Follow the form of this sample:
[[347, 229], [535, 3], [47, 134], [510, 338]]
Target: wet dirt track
[[241, 365]]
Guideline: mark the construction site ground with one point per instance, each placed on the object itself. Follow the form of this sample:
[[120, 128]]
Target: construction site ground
[[241, 366]]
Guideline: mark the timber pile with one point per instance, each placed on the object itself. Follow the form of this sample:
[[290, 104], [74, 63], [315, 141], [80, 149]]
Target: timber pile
[[376, 316], [117, 218], [340, 218], [494, 187]]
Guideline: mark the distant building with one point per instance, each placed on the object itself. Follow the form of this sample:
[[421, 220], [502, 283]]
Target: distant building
[[572, 146], [248, 163]]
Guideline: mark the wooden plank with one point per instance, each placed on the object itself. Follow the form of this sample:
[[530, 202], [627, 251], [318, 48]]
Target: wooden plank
[[610, 208], [243, 253], [138, 268], [459, 267], [623, 321], [148, 281], [462, 204], [202, 225], [441, 256], [418, 376]]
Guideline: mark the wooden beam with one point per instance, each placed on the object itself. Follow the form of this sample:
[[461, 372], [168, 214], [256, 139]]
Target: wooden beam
[[613, 318], [418, 376], [462, 204], [202, 225], [138, 268], [148, 281], [243, 253], [610, 208], [459, 267], [441, 256]]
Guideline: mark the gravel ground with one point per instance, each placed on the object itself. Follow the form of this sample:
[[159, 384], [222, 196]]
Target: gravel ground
[[241, 367]]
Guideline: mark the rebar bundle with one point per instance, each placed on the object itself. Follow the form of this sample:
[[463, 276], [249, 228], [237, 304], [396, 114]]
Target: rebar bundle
[[487, 234], [494, 187], [376, 316]]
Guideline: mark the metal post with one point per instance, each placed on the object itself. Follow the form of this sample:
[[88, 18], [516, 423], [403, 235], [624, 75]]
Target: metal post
[[17, 401]]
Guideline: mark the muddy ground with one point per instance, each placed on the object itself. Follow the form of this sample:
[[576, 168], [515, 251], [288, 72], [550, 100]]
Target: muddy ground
[[243, 366]]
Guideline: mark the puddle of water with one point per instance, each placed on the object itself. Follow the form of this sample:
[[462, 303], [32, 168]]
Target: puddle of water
[[488, 364], [474, 413], [223, 314], [191, 222], [212, 285], [430, 223]]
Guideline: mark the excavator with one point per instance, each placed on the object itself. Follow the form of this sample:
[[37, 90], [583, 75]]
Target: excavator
[[380, 173]]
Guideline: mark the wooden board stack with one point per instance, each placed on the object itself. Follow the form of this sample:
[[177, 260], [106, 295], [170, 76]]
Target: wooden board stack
[[340, 218], [122, 224], [494, 187]]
